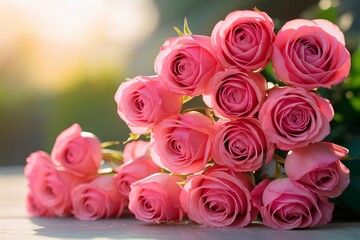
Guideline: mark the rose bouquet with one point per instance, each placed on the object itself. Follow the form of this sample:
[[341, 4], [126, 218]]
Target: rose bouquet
[[255, 149]]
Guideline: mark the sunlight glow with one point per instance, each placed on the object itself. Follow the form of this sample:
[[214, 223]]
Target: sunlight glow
[[50, 41]]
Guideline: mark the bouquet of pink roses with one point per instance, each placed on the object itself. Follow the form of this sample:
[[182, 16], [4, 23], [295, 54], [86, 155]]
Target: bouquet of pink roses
[[256, 149]]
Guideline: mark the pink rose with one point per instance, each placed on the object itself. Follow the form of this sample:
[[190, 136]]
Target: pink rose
[[144, 101], [77, 151], [97, 199], [310, 54], [49, 187], [182, 143], [156, 198], [35, 208], [134, 170], [244, 40], [219, 198], [185, 64], [284, 205], [135, 149], [36, 163], [240, 144], [234, 94], [292, 117], [318, 168]]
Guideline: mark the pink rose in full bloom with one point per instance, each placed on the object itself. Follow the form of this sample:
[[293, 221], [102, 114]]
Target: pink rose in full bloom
[[135, 149], [182, 143], [318, 168], [97, 199], [156, 198], [292, 117], [144, 101], [234, 94], [133, 170], [186, 63], [285, 205], [310, 54], [77, 152], [219, 198], [240, 144], [49, 187], [244, 40]]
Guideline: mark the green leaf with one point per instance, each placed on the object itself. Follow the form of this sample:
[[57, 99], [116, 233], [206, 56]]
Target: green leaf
[[355, 103], [110, 155], [256, 9], [132, 137], [186, 27], [349, 200], [278, 172], [186, 99], [278, 158], [347, 158], [109, 143], [178, 31]]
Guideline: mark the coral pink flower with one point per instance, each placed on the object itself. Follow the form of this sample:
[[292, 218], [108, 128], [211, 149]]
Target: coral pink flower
[[234, 94], [185, 64], [310, 54], [318, 168], [78, 152], [285, 205], [49, 187], [244, 40], [182, 143], [97, 199], [135, 149], [292, 117], [134, 170], [240, 144], [35, 208], [144, 101], [156, 198], [219, 198]]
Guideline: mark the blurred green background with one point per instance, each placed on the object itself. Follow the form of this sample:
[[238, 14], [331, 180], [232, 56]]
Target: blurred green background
[[61, 62]]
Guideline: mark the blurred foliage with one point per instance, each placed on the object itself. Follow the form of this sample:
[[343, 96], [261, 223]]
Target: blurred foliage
[[31, 119]]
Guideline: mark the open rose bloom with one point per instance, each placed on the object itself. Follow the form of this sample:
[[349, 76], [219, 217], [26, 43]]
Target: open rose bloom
[[311, 54], [97, 199], [181, 67], [285, 205], [77, 151], [318, 167], [49, 187], [218, 198], [235, 93], [240, 145], [144, 101], [292, 117], [253, 149], [182, 143], [244, 40], [156, 198]]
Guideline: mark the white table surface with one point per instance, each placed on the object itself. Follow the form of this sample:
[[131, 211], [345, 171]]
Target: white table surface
[[15, 225]]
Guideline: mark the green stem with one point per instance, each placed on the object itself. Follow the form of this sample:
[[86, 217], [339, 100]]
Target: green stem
[[112, 156], [278, 158]]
